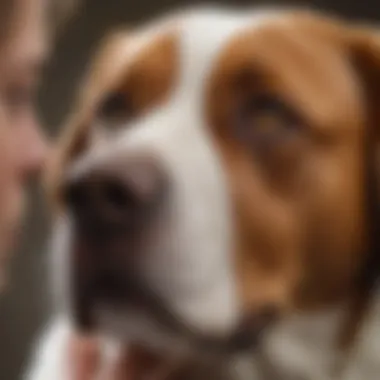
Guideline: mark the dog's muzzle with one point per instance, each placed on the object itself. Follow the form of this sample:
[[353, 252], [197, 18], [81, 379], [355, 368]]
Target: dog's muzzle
[[113, 207]]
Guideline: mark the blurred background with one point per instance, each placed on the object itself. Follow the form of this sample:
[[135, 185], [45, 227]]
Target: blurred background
[[26, 305]]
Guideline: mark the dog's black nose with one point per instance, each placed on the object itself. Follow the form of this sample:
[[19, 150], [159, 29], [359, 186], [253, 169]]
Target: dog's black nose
[[115, 196]]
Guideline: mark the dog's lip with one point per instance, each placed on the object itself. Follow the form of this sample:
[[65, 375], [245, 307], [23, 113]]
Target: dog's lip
[[243, 338], [101, 279], [112, 287]]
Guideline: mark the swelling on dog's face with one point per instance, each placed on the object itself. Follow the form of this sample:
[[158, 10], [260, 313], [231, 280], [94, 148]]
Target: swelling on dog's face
[[214, 173]]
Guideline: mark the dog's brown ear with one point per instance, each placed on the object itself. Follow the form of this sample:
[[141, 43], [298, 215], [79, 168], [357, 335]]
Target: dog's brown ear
[[363, 51], [76, 132], [364, 48], [364, 44], [361, 44]]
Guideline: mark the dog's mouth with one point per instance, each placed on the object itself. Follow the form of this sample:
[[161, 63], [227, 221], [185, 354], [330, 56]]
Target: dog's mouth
[[100, 279]]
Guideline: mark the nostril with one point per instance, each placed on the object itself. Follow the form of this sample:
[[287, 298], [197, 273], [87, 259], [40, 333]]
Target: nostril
[[115, 195], [75, 196], [115, 203]]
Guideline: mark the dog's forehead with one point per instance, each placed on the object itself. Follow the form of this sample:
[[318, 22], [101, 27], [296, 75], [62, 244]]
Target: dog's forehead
[[177, 54], [203, 30], [199, 36], [204, 35]]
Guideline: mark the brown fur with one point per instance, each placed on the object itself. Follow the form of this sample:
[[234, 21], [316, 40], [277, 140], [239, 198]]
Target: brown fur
[[152, 74], [295, 205]]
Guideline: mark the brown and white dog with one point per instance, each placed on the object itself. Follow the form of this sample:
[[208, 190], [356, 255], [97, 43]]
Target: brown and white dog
[[217, 195]]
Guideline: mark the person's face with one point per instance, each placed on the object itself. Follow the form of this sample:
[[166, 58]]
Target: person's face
[[22, 145]]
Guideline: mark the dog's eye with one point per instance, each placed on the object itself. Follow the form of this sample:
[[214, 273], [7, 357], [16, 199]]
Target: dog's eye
[[266, 119], [116, 107]]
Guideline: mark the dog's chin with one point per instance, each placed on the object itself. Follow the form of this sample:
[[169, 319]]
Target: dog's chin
[[149, 326], [158, 330], [135, 325]]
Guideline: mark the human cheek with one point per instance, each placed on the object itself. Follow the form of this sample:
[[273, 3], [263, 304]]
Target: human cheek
[[32, 147]]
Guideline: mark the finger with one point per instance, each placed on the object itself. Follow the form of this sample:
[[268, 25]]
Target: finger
[[134, 363], [84, 357]]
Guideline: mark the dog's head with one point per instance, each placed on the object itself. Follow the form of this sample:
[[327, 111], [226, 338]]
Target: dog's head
[[215, 173]]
